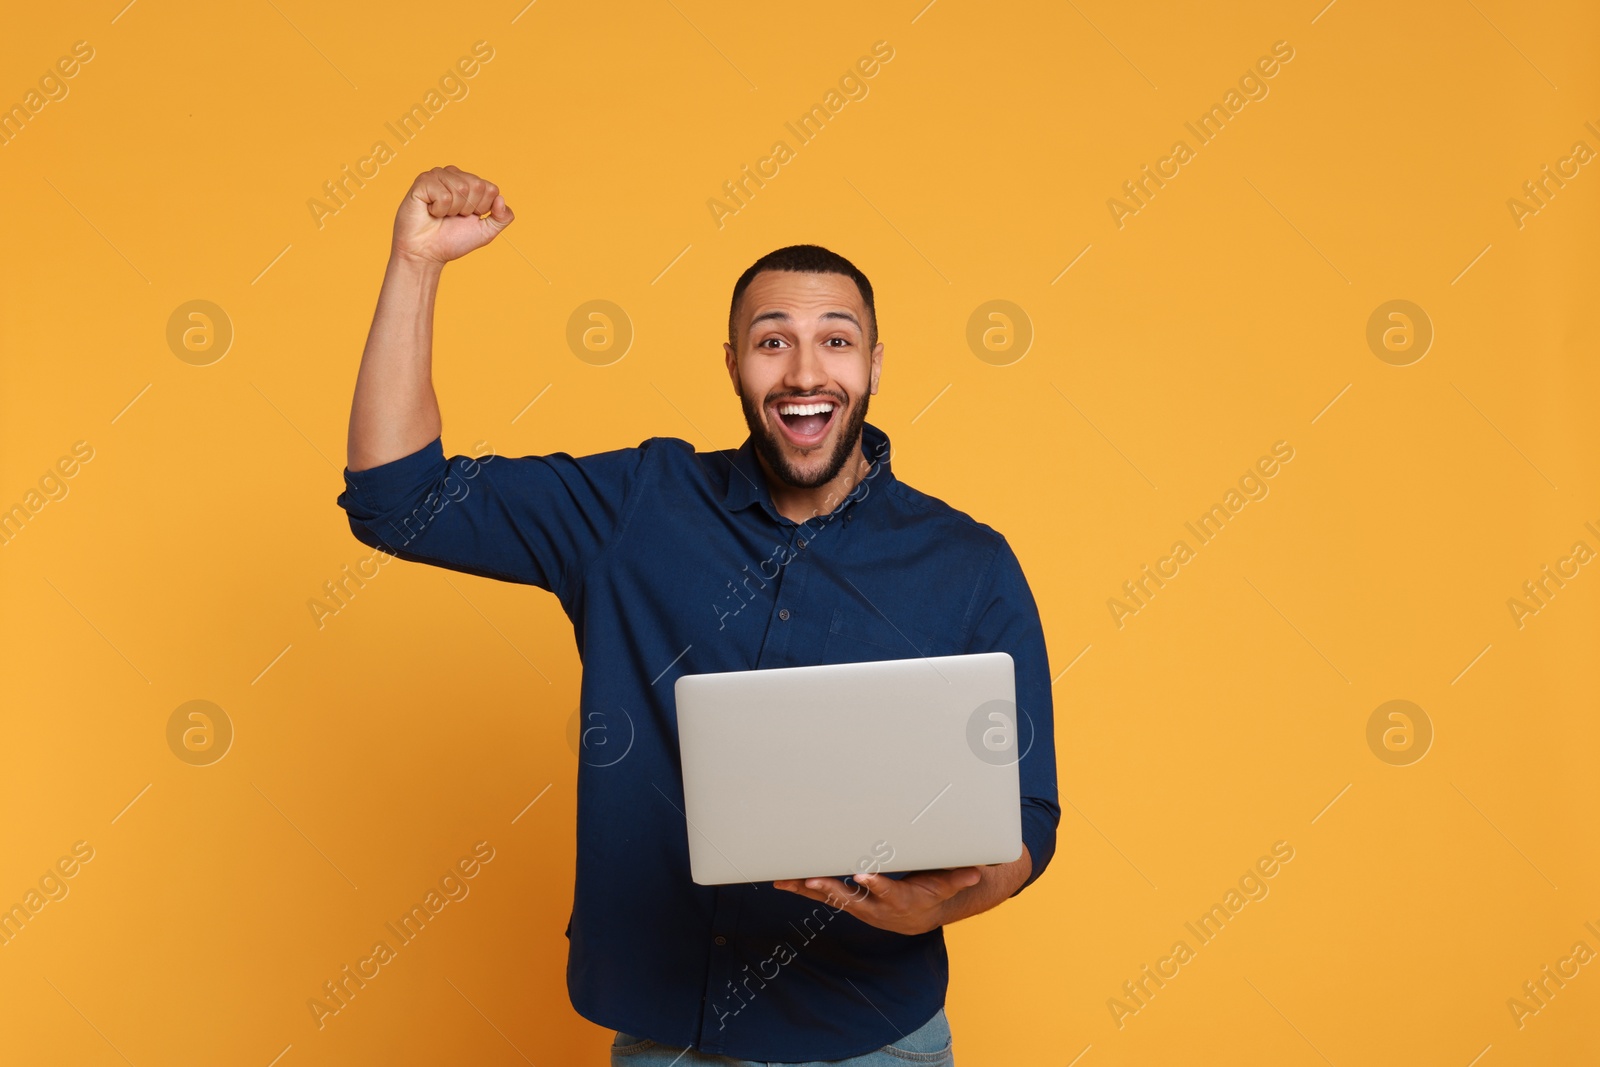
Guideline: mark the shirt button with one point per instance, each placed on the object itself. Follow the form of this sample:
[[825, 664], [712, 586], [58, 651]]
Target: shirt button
[[802, 543], [783, 613], [721, 940]]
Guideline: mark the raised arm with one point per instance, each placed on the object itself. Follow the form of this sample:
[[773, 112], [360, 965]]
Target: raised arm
[[539, 520], [394, 412]]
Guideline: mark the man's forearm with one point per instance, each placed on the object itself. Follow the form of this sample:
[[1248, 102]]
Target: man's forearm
[[395, 411], [994, 885], [444, 215]]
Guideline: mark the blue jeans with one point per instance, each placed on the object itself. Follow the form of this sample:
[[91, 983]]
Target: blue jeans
[[928, 1044]]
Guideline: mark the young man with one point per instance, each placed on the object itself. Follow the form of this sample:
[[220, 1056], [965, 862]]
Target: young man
[[671, 561]]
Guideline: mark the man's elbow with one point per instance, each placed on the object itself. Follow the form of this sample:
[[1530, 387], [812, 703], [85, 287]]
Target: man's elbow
[[1039, 824], [365, 534], [1036, 869]]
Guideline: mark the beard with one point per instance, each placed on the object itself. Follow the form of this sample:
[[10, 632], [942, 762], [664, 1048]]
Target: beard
[[771, 448]]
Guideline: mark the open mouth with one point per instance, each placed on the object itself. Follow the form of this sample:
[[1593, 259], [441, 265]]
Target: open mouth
[[806, 422]]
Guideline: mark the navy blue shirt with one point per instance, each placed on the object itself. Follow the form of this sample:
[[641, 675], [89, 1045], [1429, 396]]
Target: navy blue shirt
[[670, 561]]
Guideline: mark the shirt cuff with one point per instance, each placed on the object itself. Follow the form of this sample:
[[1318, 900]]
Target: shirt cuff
[[1039, 835], [378, 490]]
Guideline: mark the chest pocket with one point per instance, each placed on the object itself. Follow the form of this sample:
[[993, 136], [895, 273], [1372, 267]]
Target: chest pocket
[[856, 635]]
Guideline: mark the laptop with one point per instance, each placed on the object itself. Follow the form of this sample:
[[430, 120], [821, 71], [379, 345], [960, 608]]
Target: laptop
[[838, 769]]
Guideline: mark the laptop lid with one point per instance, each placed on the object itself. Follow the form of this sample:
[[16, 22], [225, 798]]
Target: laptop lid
[[835, 769]]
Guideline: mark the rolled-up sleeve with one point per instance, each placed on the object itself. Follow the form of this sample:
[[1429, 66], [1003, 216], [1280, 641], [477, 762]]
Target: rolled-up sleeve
[[1008, 621], [537, 520]]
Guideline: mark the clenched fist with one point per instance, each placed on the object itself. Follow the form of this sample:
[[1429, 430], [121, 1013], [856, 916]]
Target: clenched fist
[[439, 220]]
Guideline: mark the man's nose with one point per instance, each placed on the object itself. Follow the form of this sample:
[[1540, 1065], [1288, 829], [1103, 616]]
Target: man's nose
[[805, 370]]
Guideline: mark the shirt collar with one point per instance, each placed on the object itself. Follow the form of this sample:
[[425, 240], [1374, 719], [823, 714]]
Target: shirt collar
[[747, 482]]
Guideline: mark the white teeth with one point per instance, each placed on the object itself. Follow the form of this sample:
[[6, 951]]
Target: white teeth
[[805, 409]]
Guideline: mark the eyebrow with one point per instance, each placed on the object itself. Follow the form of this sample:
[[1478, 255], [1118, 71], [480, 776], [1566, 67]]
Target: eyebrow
[[783, 316]]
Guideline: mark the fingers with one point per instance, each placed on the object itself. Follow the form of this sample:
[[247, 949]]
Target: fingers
[[456, 194], [830, 891], [910, 905], [954, 881], [877, 885], [500, 214], [480, 197], [815, 888], [449, 190], [938, 885]]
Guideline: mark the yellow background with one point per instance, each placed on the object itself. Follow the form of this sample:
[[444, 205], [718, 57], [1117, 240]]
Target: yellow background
[[1228, 314]]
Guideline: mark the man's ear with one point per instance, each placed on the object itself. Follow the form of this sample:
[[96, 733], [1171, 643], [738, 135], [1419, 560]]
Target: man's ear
[[731, 358], [877, 366]]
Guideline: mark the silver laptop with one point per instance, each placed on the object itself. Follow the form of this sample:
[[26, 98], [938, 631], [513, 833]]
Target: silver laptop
[[833, 770]]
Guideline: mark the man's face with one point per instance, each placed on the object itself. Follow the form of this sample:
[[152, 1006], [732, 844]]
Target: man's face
[[803, 372]]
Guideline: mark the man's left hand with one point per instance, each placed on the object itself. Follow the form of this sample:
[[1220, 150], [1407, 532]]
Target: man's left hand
[[914, 904]]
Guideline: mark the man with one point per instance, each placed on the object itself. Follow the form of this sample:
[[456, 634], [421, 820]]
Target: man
[[671, 561]]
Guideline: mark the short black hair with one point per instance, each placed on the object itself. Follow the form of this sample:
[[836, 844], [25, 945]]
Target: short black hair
[[808, 259]]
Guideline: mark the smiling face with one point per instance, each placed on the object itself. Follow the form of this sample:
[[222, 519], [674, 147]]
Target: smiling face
[[803, 371]]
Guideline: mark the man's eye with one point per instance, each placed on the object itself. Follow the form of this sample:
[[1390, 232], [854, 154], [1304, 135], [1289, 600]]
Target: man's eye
[[763, 341], [841, 340]]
